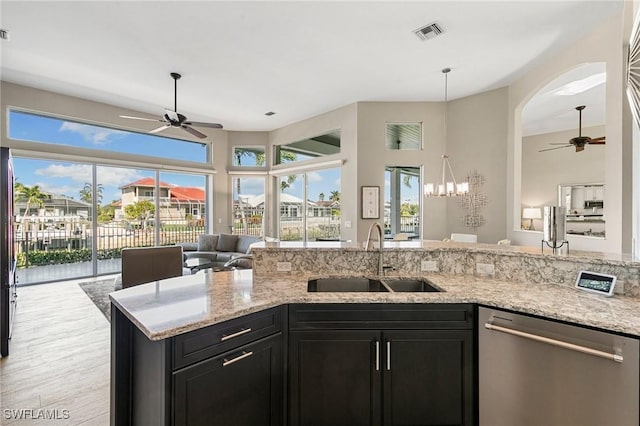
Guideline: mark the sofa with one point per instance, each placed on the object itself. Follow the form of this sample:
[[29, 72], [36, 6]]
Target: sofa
[[224, 250]]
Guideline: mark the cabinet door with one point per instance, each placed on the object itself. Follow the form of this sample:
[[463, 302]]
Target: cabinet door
[[428, 378], [334, 378], [240, 388]]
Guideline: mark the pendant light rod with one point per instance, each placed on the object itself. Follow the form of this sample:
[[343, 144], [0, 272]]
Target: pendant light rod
[[444, 188]]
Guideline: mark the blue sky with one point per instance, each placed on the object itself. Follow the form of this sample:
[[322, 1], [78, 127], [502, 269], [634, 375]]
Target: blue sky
[[66, 178]]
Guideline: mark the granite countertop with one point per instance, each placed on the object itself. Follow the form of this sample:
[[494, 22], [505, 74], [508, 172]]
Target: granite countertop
[[166, 308]]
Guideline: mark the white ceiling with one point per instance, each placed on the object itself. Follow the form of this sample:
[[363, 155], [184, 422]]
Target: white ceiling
[[299, 59]]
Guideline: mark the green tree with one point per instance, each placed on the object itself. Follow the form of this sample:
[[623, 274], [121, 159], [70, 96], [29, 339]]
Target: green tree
[[321, 196], [86, 193], [33, 195], [334, 196], [141, 210], [106, 213]]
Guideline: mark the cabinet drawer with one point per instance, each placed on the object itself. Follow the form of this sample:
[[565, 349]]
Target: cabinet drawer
[[380, 316], [210, 341]]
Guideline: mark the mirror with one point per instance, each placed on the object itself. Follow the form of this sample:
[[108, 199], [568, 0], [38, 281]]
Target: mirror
[[306, 149], [551, 156]]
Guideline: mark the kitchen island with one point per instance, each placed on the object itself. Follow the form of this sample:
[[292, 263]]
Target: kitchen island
[[169, 334]]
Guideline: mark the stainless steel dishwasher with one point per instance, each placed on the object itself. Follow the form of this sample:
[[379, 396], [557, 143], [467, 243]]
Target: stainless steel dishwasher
[[536, 372]]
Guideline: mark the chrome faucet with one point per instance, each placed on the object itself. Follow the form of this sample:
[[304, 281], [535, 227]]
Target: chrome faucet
[[380, 240]]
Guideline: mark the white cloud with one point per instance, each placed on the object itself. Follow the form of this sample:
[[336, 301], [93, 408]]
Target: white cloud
[[338, 182], [51, 187], [93, 134], [117, 176], [75, 172], [314, 177]]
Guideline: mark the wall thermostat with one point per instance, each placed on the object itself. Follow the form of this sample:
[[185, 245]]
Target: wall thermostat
[[595, 282]]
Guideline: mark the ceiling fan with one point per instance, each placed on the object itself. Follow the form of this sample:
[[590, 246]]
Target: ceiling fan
[[174, 119], [579, 141]]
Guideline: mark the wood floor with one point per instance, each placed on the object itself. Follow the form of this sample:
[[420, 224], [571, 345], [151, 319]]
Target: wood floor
[[59, 358]]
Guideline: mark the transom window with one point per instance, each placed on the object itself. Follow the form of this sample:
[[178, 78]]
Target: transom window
[[27, 126]]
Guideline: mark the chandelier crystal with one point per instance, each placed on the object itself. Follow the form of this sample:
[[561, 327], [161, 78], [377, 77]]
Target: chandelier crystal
[[446, 187]]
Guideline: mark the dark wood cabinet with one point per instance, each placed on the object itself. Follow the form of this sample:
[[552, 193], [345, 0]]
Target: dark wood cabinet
[[228, 374], [390, 375], [242, 387], [428, 378], [333, 378]]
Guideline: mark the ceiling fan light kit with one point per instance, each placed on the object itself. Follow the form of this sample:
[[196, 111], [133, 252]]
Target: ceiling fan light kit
[[444, 187], [171, 118], [579, 141]]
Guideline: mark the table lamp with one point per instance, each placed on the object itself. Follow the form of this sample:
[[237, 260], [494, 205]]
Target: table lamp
[[531, 213]]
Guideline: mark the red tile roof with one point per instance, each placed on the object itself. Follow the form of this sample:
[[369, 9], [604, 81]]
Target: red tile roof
[[185, 193], [147, 182]]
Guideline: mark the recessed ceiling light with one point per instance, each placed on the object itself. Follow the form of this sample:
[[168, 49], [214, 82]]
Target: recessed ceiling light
[[579, 86], [269, 114]]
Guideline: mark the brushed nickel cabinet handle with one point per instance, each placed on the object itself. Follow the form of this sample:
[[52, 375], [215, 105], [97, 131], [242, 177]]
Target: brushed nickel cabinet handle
[[231, 336], [244, 355], [377, 356], [388, 355]]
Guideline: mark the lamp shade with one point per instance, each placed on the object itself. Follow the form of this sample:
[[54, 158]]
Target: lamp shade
[[531, 213]]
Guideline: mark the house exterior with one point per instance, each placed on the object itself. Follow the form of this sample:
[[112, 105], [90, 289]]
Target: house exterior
[[177, 203]]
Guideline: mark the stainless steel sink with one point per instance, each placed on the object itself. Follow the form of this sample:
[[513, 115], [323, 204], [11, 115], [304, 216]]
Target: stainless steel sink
[[363, 284], [346, 284], [410, 285]]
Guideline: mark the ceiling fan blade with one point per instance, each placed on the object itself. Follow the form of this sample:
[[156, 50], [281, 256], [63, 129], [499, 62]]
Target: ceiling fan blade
[[557, 143], [161, 128], [200, 124], [194, 132], [140, 118], [601, 139], [557, 147]]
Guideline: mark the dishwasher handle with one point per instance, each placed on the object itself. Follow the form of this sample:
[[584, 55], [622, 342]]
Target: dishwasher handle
[[607, 355]]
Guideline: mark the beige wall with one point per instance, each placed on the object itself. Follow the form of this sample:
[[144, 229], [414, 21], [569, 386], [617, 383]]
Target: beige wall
[[477, 141], [604, 44]]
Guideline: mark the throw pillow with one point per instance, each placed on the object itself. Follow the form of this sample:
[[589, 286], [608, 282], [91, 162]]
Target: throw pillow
[[227, 242], [207, 242]]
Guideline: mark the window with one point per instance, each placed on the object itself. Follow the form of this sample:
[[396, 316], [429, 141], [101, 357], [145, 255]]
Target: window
[[306, 149], [402, 198], [249, 156], [404, 136], [317, 219], [248, 205], [39, 128]]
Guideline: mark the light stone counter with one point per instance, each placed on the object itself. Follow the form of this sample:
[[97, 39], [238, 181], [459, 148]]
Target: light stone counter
[[169, 307]]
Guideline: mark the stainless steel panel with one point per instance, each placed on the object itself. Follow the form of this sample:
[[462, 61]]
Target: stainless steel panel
[[529, 382]]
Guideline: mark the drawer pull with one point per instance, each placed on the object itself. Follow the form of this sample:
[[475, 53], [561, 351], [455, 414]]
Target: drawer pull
[[239, 333], [244, 355]]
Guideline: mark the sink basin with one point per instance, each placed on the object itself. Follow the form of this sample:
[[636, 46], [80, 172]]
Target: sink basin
[[348, 284], [410, 285]]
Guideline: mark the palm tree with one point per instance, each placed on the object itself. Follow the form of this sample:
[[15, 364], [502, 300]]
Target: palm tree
[[86, 193], [321, 196], [335, 195], [31, 194]]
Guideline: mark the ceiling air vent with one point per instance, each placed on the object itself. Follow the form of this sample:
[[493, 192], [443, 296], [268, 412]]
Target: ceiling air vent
[[429, 31]]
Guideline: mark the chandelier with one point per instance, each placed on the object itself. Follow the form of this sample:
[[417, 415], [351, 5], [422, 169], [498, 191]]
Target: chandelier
[[446, 187]]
